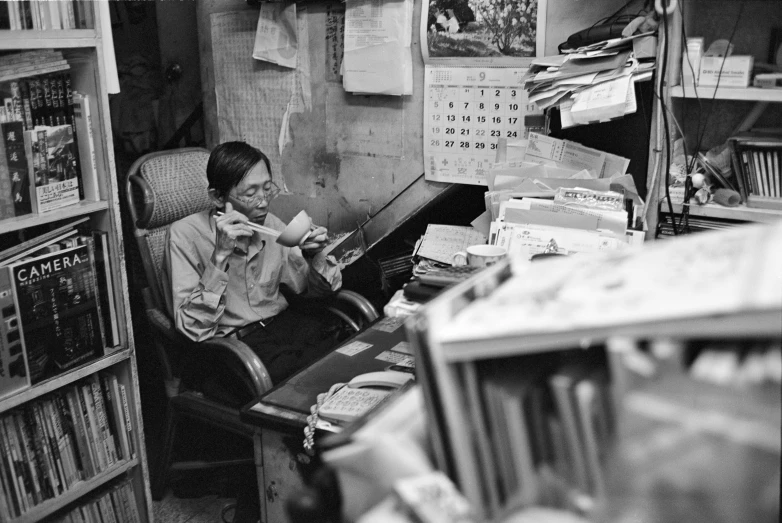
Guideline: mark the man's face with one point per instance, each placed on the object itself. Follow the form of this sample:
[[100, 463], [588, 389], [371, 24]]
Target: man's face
[[248, 196]]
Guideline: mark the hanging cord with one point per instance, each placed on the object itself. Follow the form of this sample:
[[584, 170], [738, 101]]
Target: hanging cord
[[312, 419], [702, 131]]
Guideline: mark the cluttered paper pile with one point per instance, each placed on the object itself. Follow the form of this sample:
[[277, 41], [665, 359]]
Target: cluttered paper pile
[[556, 196], [591, 84]]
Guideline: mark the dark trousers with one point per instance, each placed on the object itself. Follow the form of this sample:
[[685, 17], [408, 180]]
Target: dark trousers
[[293, 339]]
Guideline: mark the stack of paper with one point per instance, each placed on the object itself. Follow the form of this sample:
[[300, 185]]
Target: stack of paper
[[591, 84]]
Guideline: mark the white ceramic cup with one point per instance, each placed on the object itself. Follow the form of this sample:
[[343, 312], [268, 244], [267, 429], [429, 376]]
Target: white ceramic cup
[[480, 255]]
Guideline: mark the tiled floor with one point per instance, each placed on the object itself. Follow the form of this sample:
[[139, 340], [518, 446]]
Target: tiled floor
[[195, 510]]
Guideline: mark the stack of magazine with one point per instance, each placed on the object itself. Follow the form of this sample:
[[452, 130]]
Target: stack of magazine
[[55, 292]]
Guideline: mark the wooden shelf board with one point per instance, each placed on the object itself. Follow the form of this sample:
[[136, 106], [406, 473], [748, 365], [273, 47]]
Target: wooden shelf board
[[749, 94], [31, 220], [742, 212], [751, 323], [58, 381], [30, 39], [77, 491]]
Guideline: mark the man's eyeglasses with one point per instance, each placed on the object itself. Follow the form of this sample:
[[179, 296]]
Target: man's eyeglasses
[[268, 193]]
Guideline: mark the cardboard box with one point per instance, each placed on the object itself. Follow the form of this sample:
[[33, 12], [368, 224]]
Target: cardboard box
[[731, 71], [691, 62]]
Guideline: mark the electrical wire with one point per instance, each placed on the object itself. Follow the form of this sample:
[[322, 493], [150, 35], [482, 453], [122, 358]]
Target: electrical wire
[[702, 132], [667, 166]]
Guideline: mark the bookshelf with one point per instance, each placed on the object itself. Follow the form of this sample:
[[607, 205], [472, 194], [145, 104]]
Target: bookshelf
[[84, 51], [647, 425], [740, 213], [728, 110]]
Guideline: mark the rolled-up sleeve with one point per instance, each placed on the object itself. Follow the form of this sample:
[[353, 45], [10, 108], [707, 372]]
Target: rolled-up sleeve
[[197, 291], [318, 277]]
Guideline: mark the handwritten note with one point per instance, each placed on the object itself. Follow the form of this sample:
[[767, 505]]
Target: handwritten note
[[441, 242]]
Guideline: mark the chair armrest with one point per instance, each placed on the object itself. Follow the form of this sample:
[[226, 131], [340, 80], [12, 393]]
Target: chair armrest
[[230, 351], [240, 357], [363, 305]]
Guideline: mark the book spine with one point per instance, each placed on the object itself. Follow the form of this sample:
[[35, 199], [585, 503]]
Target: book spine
[[119, 507], [88, 410], [128, 424], [6, 186], [79, 426], [15, 497], [27, 109], [106, 288], [69, 436], [119, 415], [44, 471], [127, 488], [98, 430], [26, 14], [105, 513], [16, 101], [6, 505], [739, 171], [68, 109], [35, 172], [26, 500], [48, 101], [111, 419], [28, 456], [37, 106], [50, 444], [59, 443], [16, 160], [100, 409]]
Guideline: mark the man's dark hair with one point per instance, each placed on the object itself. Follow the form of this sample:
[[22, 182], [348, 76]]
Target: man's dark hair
[[230, 162]]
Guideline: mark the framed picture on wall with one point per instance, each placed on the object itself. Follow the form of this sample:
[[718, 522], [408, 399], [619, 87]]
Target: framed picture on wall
[[482, 32]]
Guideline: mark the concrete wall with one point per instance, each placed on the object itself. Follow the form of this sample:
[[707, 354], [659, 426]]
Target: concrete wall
[[342, 192]]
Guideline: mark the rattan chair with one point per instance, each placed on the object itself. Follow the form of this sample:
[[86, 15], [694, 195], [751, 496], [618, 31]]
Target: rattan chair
[[161, 188]]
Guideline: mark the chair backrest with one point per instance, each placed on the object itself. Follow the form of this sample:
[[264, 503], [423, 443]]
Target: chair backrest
[[161, 188]]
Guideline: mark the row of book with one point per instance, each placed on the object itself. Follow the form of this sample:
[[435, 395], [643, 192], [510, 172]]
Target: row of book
[[118, 505], [59, 440], [47, 151], [57, 304], [46, 14], [757, 162], [541, 422]]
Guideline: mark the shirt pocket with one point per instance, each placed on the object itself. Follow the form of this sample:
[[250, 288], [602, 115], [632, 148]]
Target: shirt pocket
[[269, 280]]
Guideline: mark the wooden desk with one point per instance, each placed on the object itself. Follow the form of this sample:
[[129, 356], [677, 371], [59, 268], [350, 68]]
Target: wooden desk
[[281, 414]]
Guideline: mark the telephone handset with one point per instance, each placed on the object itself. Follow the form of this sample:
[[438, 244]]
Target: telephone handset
[[345, 402], [361, 394]]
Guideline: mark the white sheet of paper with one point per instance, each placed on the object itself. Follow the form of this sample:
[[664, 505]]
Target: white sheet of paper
[[353, 348], [441, 242], [563, 153], [378, 58], [276, 39], [614, 221]]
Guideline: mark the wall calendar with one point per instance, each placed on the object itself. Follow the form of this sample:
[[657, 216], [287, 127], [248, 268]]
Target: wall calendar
[[466, 110]]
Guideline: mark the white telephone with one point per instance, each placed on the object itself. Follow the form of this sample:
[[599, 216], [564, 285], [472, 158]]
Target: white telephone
[[361, 394], [346, 402]]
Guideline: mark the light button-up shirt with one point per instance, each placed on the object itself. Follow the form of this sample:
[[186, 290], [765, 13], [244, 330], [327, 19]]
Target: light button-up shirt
[[206, 301]]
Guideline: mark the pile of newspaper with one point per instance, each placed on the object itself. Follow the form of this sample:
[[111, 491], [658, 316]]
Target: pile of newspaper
[[591, 84]]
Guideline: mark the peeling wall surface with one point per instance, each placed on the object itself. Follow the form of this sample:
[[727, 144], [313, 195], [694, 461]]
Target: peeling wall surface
[[350, 155]]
